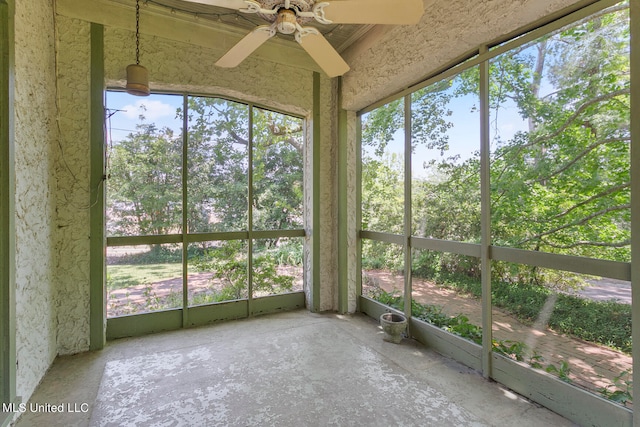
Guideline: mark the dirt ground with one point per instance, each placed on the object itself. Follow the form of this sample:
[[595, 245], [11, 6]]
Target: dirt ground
[[167, 294]]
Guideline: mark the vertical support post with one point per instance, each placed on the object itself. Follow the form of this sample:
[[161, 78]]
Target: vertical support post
[[97, 314], [635, 199], [185, 206], [358, 207], [407, 208], [485, 217], [7, 215], [250, 216], [315, 227], [343, 285]]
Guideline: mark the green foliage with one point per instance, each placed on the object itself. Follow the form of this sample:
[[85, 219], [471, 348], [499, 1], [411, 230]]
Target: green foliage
[[561, 371], [145, 174], [288, 252], [229, 266], [566, 178], [512, 349], [277, 171], [460, 325], [144, 191], [603, 322], [621, 389], [157, 254], [217, 175], [559, 183], [523, 300], [380, 255], [380, 126], [383, 194]]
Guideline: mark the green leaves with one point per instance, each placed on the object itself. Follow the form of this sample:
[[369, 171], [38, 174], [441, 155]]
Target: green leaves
[[145, 190], [144, 194]]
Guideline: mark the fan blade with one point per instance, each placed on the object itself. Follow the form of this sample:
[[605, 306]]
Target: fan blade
[[229, 4], [395, 12], [246, 46], [322, 52]]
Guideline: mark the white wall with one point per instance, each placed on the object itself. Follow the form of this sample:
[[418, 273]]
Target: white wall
[[72, 180], [35, 135]]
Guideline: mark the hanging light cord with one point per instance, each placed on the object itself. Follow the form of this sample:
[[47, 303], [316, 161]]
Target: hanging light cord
[[137, 32]]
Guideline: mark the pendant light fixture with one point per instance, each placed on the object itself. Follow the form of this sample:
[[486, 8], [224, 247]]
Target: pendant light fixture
[[137, 75]]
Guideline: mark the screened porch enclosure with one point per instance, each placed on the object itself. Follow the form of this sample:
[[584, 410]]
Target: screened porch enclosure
[[476, 172]]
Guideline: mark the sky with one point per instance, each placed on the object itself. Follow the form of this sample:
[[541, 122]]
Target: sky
[[160, 109], [464, 137]]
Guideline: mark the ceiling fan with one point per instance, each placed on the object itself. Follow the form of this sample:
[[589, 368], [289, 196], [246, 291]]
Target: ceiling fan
[[289, 16]]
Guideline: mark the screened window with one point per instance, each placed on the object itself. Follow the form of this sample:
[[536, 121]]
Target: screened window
[[554, 202], [204, 202]]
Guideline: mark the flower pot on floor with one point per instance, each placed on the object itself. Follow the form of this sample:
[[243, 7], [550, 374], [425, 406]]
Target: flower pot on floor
[[393, 326]]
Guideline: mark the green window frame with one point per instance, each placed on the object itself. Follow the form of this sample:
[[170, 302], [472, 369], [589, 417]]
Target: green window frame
[[186, 314], [8, 398]]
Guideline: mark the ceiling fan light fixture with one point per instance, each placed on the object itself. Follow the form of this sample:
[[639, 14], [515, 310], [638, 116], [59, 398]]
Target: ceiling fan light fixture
[[286, 21]]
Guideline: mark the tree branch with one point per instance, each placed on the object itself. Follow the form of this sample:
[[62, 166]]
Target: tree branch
[[581, 155], [577, 113], [621, 244], [575, 223], [611, 190]]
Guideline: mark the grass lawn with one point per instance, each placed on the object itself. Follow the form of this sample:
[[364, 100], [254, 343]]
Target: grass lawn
[[125, 275]]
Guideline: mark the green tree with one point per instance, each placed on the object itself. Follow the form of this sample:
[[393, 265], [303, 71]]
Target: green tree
[[217, 183], [144, 185], [278, 150], [560, 183]]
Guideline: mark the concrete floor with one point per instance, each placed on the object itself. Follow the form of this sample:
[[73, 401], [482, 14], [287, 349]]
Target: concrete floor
[[289, 369]]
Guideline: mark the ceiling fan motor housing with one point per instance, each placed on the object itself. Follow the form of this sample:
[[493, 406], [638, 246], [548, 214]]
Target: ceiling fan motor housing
[[294, 7], [286, 21]]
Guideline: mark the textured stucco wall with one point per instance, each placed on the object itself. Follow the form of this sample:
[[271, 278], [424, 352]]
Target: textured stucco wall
[[35, 134], [352, 211], [328, 197], [182, 67], [393, 58], [72, 179]]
